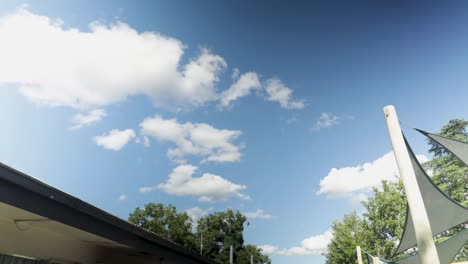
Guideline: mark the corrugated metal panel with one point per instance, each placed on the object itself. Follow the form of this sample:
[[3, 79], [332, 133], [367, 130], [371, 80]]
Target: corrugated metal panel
[[4, 259]]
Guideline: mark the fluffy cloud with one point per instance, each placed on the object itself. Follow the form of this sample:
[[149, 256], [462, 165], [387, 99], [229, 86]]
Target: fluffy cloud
[[81, 120], [196, 213], [280, 93], [357, 180], [60, 66], [123, 197], [314, 245], [269, 249], [242, 87], [115, 139], [208, 187], [326, 120], [193, 139], [258, 214]]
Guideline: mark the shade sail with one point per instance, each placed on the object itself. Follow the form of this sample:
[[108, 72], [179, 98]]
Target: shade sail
[[443, 212], [446, 250], [456, 147]]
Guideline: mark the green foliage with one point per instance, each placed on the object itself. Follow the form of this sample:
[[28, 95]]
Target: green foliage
[[385, 212], [220, 230], [385, 218], [247, 251], [166, 222], [448, 172], [346, 234]]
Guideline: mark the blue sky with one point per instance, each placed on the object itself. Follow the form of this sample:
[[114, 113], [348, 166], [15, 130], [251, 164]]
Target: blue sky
[[271, 108]]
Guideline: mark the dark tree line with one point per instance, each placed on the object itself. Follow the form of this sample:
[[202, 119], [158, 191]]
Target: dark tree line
[[219, 231]]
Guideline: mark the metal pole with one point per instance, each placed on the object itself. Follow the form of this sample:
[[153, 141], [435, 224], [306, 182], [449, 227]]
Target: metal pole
[[201, 243], [422, 227], [231, 257], [359, 256], [251, 259]]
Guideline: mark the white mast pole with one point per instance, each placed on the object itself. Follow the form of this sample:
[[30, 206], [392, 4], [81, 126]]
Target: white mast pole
[[422, 227], [201, 243], [231, 255], [359, 256], [376, 260]]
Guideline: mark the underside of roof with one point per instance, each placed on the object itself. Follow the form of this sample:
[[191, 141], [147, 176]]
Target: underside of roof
[[37, 208]]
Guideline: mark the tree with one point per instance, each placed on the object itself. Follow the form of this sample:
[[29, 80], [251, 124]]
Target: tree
[[385, 218], [220, 231], [166, 222], [449, 173], [347, 234], [256, 252], [385, 212]]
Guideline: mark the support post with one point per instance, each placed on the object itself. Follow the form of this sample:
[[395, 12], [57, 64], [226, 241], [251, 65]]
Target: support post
[[251, 259], [201, 244], [376, 260], [422, 227], [231, 255], [359, 256]]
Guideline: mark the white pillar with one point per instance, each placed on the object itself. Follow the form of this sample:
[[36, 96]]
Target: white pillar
[[376, 260], [422, 227], [251, 259], [231, 256], [359, 256]]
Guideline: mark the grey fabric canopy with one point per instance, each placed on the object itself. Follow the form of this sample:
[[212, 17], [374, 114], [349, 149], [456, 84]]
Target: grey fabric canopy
[[457, 148], [443, 212], [447, 250]]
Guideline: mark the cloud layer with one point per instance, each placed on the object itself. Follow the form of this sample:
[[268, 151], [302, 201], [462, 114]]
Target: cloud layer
[[314, 245], [60, 66], [356, 180], [242, 87], [208, 187], [326, 120], [258, 214], [115, 139], [81, 120], [198, 139], [278, 92], [56, 65]]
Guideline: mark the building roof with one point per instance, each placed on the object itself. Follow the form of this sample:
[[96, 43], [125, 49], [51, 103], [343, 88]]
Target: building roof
[[27, 193]]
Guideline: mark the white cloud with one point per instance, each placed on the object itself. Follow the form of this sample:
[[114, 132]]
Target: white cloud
[[235, 73], [123, 197], [208, 187], [326, 120], [280, 93], [146, 189], [193, 139], [355, 181], [81, 120], [269, 249], [196, 213], [143, 140], [314, 245], [61, 66], [258, 214], [246, 83], [115, 139]]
